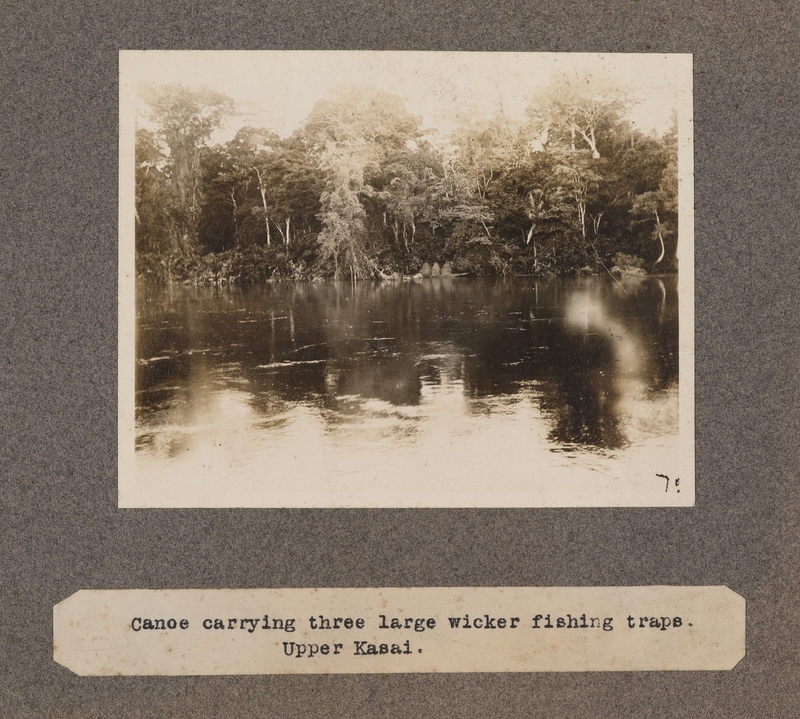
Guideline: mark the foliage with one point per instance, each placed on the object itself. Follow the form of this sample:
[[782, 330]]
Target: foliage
[[362, 189], [342, 239], [627, 264], [185, 119]]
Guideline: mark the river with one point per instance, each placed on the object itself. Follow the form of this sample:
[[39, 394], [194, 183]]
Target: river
[[437, 392]]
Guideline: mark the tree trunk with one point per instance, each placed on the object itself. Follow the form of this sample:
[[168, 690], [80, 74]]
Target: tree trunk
[[288, 224], [264, 202], [593, 144], [530, 234], [582, 216], [280, 230], [596, 224], [660, 238], [235, 225], [590, 140]]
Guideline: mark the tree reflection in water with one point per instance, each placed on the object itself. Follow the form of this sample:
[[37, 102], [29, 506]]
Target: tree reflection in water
[[588, 354]]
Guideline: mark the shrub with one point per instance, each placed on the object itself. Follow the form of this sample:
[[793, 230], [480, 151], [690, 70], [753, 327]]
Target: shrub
[[625, 264]]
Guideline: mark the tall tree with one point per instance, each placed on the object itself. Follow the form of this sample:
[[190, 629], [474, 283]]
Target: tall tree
[[486, 146], [184, 120], [252, 151], [218, 222], [660, 206], [352, 131], [156, 206], [577, 111]]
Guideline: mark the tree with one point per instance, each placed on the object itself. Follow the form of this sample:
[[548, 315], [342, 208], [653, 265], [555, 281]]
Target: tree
[[152, 233], [352, 132], [359, 189], [218, 222], [486, 146], [577, 110], [251, 150], [185, 120], [343, 235], [660, 206], [293, 188], [401, 195], [532, 206], [361, 116]]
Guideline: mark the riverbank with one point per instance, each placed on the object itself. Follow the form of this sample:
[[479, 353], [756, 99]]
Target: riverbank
[[258, 264]]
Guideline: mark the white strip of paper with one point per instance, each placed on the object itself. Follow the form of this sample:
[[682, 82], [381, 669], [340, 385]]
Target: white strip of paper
[[392, 630]]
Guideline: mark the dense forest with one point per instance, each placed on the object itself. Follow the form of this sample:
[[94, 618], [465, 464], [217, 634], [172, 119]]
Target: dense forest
[[363, 190]]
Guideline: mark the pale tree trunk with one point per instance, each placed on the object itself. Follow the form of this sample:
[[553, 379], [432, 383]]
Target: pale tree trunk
[[535, 211], [288, 224], [264, 202], [589, 138], [596, 224], [593, 144], [233, 202], [660, 238], [280, 231], [528, 241], [582, 216]]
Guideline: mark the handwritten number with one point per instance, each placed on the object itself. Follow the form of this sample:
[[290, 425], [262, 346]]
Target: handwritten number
[[677, 482]]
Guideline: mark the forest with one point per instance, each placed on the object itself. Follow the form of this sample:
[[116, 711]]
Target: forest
[[364, 190]]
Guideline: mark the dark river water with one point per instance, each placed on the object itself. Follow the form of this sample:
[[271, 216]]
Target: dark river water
[[443, 391]]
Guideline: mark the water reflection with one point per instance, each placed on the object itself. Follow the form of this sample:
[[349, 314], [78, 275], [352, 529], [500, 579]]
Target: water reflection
[[591, 365]]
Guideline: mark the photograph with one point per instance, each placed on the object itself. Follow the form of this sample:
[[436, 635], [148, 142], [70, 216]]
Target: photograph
[[405, 279]]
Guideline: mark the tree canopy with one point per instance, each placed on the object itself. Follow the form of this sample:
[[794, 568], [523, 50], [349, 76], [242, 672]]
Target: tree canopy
[[362, 189]]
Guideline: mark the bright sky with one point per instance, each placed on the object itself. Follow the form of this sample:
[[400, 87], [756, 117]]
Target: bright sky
[[277, 89]]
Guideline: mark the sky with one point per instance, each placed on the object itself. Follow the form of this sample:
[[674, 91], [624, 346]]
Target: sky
[[278, 89]]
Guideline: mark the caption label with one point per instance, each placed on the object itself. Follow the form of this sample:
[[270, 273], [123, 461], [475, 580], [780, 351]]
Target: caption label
[[391, 630]]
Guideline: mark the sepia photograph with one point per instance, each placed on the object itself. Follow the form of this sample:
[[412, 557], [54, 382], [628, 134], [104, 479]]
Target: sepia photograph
[[405, 279]]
